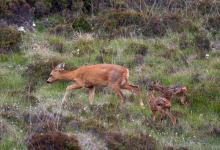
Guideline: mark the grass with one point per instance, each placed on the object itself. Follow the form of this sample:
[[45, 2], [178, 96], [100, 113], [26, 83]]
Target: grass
[[201, 76]]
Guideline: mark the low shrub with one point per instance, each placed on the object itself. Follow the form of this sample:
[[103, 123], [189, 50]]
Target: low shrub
[[173, 22], [202, 43], [154, 27], [10, 39], [52, 140], [41, 9], [213, 23], [38, 73], [16, 12], [114, 141], [114, 19], [57, 44], [81, 24], [137, 48], [62, 29], [83, 47]]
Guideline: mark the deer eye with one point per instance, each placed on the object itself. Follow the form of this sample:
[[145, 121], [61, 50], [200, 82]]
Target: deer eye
[[51, 75]]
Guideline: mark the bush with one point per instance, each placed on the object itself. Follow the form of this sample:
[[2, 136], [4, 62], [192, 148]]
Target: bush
[[16, 12], [83, 47], [38, 73], [10, 39], [114, 19], [154, 27], [213, 23], [132, 142], [62, 29], [81, 24], [137, 48], [41, 9], [202, 43], [57, 44], [173, 22], [55, 140]]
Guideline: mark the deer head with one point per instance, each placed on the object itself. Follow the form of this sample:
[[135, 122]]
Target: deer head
[[56, 72]]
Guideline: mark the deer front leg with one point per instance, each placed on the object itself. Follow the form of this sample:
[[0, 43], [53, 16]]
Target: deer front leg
[[91, 95], [68, 91]]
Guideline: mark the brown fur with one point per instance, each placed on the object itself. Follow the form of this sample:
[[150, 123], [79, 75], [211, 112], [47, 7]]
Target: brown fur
[[170, 92], [113, 76], [161, 105]]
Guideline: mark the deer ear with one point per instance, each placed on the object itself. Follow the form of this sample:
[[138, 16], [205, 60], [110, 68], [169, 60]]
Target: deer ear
[[63, 65], [60, 67]]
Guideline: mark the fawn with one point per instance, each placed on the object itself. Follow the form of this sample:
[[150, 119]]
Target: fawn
[[169, 92], [161, 105]]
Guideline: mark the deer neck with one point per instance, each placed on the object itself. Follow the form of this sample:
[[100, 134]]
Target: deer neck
[[67, 75]]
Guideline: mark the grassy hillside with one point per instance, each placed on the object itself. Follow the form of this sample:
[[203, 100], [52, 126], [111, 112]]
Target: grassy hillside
[[155, 43]]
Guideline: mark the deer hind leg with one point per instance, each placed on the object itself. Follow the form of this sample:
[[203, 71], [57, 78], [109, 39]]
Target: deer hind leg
[[68, 91], [183, 100], [154, 115], [172, 117], [133, 89], [91, 95]]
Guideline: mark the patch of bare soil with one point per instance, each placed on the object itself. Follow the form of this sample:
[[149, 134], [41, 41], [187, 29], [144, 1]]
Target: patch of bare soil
[[52, 140]]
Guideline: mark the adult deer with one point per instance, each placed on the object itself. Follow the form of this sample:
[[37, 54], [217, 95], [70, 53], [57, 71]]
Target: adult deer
[[113, 76]]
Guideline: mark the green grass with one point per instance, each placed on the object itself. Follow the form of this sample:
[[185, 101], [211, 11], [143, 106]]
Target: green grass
[[201, 77]]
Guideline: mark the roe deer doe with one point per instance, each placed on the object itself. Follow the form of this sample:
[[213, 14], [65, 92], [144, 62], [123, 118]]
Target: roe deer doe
[[113, 76]]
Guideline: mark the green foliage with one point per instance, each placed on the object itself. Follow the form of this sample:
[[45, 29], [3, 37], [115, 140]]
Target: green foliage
[[213, 23], [10, 81], [9, 143], [81, 24], [154, 27], [202, 43], [57, 43], [83, 47], [119, 18], [137, 48], [39, 72], [18, 59], [10, 39]]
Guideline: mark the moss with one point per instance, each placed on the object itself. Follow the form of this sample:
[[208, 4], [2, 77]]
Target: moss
[[10, 40], [81, 24]]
